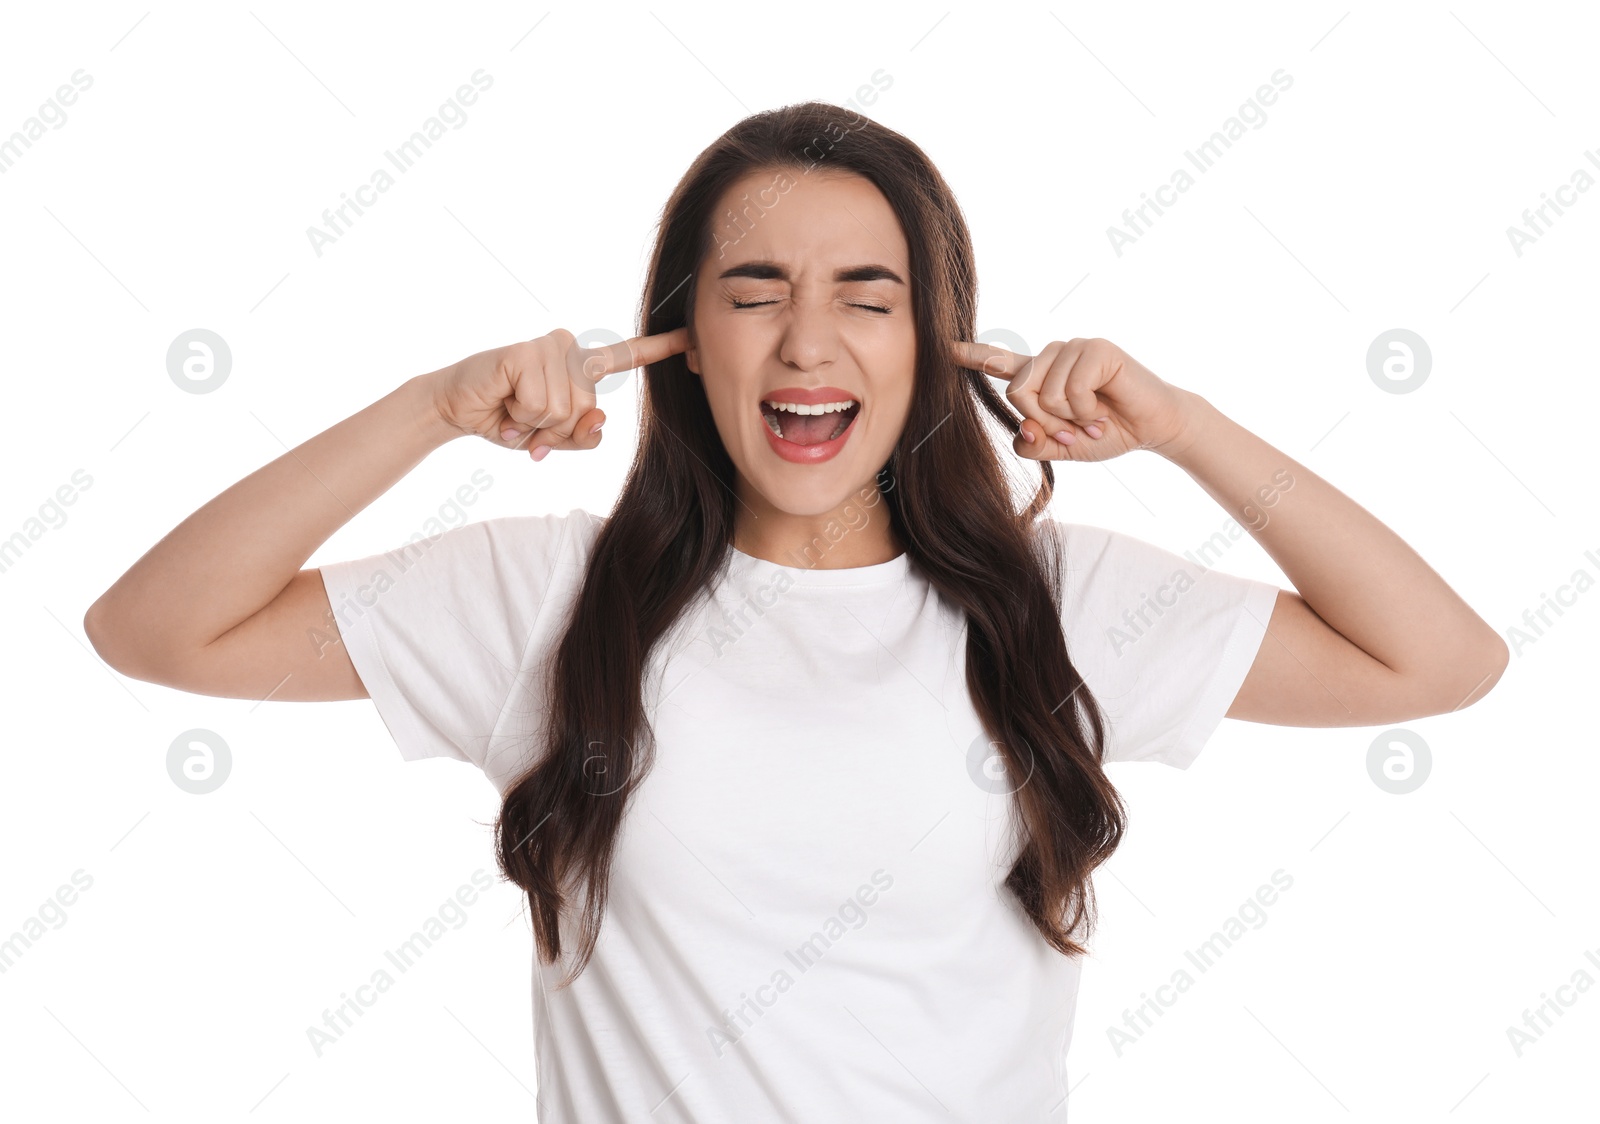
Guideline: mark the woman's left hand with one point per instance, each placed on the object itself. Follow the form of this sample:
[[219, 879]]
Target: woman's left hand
[[1084, 400]]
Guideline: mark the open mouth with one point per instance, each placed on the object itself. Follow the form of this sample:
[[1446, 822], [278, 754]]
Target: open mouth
[[810, 425]]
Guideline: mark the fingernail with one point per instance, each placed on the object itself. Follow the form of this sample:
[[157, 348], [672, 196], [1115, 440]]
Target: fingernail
[[595, 428], [540, 453], [1026, 435], [1092, 430], [508, 434], [1065, 438]]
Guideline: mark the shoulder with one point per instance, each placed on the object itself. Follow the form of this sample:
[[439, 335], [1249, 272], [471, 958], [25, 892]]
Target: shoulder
[[1123, 583], [1082, 539], [441, 627], [1087, 550], [515, 558], [567, 534], [518, 541], [1162, 639]]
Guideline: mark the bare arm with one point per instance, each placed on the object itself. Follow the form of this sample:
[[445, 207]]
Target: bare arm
[[169, 619], [1372, 633], [221, 606], [1369, 634]]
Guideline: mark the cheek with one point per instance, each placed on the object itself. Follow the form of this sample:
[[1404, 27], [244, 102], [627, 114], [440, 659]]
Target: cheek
[[724, 402], [729, 386], [729, 350], [718, 365], [898, 362], [902, 409]]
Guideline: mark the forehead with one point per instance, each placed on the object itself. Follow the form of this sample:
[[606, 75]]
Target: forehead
[[814, 221]]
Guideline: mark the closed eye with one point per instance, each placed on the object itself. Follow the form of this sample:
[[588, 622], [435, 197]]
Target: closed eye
[[855, 304]]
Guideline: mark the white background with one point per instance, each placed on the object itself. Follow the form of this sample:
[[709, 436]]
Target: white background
[[1377, 195]]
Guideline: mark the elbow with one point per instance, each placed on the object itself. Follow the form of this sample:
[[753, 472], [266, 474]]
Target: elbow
[[105, 638], [93, 628], [1474, 676], [98, 634], [1495, 659], [1499, 654]]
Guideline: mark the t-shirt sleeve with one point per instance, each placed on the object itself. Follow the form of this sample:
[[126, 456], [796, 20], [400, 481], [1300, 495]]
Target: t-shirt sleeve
[[438, 629], [1162, 642]]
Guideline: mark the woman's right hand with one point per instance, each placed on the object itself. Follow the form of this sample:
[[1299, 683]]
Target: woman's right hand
[[540, 393]]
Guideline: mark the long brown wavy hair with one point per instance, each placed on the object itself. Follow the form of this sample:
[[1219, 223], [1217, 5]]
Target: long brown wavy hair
[[951, 506]]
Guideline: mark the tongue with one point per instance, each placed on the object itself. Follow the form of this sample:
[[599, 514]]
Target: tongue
[[807, 429]]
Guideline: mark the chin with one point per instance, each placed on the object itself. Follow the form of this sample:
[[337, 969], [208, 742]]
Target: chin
[[823, 490]]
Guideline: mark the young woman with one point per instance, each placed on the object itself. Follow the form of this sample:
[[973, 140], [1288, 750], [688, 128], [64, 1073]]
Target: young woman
[[801, 746]]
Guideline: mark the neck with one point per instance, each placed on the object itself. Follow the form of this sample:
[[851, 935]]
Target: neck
[[854, 533]]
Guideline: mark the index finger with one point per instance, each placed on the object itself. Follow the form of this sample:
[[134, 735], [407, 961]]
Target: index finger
[[996, 362], [640, 351]]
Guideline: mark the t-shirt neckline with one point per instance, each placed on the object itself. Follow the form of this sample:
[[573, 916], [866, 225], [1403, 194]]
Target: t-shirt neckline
[[879, 573]]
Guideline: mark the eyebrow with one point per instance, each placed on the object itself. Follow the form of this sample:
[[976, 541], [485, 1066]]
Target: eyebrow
[[775, 271]]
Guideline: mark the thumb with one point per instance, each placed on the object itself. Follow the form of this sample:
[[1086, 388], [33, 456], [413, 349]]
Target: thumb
[[1042, 447], [585, 435]]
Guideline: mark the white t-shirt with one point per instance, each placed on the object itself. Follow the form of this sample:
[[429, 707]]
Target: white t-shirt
[[807, 919]]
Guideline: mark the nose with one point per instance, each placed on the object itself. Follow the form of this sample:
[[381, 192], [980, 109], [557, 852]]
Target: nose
[[810, 330]]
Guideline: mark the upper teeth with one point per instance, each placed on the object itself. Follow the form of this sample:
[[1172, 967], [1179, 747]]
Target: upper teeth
[[823, 408]]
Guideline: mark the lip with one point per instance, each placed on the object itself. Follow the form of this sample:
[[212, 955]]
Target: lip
[[809, 396]]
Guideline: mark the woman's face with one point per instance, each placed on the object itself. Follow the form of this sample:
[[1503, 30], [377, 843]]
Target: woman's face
[[822, 262]]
